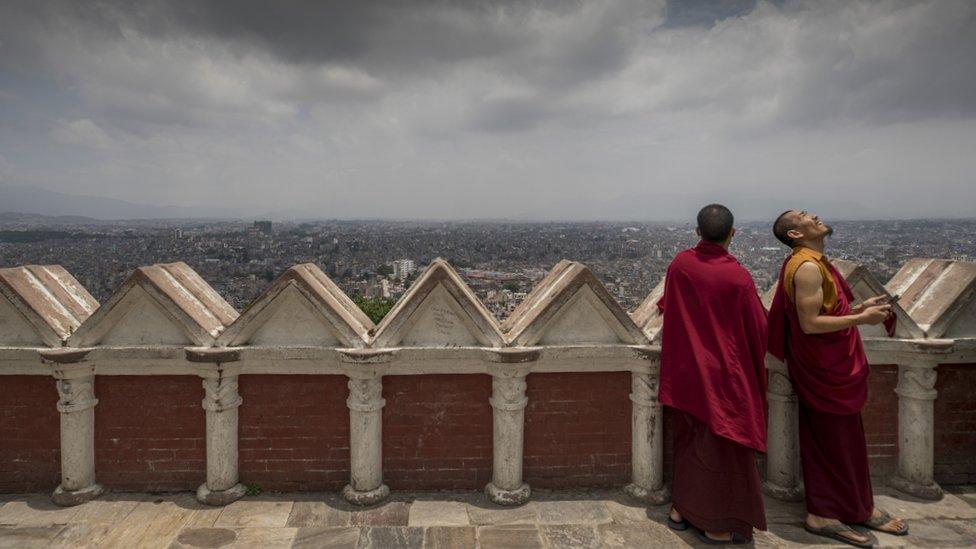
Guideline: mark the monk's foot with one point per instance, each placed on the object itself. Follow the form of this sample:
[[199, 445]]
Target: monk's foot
[[719, 536], [893, 525], [675, 515], [817, 523]]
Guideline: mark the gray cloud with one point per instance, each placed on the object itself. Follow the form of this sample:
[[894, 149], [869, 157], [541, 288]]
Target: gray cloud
[[408, 109]]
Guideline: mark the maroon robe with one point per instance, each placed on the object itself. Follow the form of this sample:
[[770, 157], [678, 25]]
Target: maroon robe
[[713, 372], [830, 375]]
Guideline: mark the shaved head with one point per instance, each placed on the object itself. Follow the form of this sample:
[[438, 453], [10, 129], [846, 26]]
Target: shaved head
[[785, 223], [715, 223]]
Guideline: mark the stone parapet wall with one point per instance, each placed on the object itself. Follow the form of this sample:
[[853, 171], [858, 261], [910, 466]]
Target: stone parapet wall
[[166, 387]]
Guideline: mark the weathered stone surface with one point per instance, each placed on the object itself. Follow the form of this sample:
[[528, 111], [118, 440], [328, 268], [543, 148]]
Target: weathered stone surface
[[571, 306], [509, 537], [438, 513], [205, 537], [14, 537], [438, 310], [327, 537], [41, 305], [492, 515], [384, 537], [173, 305], [938, 295], [949, 507], [35, 511], [449, 537], [394, 513], [318, 514], [638, 535], [302, 307], [583, 536], [255, 513], [572, 512]]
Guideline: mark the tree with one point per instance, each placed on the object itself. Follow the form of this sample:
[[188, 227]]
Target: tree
[[375, 308], [512, 286], [384, 270]]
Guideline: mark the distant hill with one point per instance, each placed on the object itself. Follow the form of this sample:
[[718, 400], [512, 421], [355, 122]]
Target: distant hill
[[30, 200]]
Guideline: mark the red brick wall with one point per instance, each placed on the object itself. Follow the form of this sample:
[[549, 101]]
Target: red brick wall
[[294, 432], [880, 417], [577, 429], [150, 433], [30, 434], [437, 432], [955, 424]]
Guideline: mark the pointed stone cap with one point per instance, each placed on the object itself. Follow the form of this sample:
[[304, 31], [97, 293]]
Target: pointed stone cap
[[302, 308], [438, 310], [865, 285], [939, 295], [41, 305], [570, 306], [162, 304], [647, 316]]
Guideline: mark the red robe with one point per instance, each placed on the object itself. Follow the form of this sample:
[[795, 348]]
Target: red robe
[[713, 372], [830, 375], [713, 345], [829, 371]]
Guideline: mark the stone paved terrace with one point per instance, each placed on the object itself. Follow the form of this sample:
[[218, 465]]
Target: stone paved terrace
[[599, 518]]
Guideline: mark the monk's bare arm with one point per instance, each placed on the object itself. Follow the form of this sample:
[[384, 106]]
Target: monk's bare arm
[[808, 289]]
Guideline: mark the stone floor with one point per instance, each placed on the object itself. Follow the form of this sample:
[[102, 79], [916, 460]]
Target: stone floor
[[553, 519]]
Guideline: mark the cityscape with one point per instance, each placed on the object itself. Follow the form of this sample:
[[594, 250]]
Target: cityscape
[[379, 259]]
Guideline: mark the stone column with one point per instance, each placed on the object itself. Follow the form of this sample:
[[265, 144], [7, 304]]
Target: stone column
[[221, 402], [916, 395], [365, 404], [508, 403], [783, 480], [647, 441], [76, 389]]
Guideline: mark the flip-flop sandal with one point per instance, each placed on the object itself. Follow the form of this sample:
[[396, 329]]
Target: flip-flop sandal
[[679, 525], [876, 524], [833, 531], [737, 539]]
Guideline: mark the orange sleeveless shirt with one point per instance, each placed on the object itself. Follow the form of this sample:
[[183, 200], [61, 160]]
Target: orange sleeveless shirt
[[800, 256]]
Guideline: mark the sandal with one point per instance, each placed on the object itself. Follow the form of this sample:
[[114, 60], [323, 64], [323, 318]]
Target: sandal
[[679, 525], [833, 531], [885, 517], [737, 539]]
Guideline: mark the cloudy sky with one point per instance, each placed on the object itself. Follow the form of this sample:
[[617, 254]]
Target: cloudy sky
[[515, 109]]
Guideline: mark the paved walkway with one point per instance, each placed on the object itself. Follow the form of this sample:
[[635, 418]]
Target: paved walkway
[[602, 518]]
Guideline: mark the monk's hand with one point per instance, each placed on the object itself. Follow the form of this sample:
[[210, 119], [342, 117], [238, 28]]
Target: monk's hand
[[876, 300], [875, 314]]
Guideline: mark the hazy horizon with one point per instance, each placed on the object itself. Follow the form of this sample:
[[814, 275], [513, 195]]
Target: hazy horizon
[[526, 111]]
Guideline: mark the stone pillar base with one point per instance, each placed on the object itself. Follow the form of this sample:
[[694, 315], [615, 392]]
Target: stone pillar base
[[781, 493], [499, 496], [654, 497], [931, 491], [369, 497], [220, 497], [66, 498]]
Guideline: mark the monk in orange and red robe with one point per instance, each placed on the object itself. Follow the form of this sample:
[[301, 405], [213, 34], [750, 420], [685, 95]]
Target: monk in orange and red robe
[[813, 328], [713, 376]]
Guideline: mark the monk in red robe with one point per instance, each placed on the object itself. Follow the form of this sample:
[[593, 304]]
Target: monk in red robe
[[713, 377], [813, 327]]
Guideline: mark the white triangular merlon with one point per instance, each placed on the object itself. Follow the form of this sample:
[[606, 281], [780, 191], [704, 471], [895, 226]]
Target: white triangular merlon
[[162, 304], [569, 307], [438, 310], [865, 285], [41, 305], [647, 316], [939, 295], [302, 308]]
